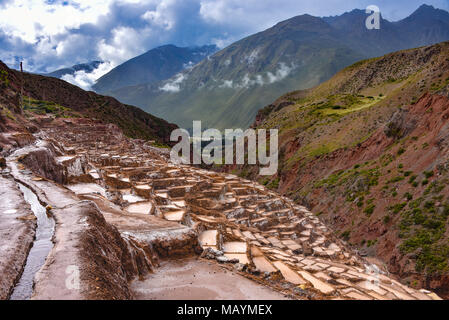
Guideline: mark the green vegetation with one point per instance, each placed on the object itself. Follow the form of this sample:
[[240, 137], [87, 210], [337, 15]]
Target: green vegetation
[[408, 196], [274, 184], [422, 229], [4, 80], [397, 207], [46, 107], [370, 209], [428, 174], [346, 235]]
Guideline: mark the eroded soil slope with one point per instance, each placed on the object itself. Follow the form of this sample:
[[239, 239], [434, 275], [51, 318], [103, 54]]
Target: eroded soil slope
[[368, 152]]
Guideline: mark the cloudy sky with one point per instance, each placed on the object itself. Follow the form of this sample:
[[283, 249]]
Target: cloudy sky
[[51, 34]]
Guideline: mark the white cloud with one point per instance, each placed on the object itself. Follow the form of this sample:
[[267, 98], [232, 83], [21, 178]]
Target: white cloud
[[188, 65], [86, 80], [252, 57], [261, 79], [175, 84], [161, 15], [125, 44], [280, 73], [30, 19], [227, 84]]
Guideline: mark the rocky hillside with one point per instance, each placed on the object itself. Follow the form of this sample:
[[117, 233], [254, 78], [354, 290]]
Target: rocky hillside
[[227, 90], [51, 96], [368, 151]]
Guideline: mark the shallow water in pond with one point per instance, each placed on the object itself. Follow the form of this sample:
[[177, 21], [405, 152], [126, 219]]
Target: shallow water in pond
[[40, 250]]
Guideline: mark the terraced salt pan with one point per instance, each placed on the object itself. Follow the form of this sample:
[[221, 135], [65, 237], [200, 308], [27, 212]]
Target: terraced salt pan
[[86, 188], [278, 227], [175, 215], [234, 247], [140, 208], [131, 198], [163, 195], [316, 283], [94, 174], [288, 273], [208, 238], [143, 187], [263, 265], [180, 203], [64, 158]]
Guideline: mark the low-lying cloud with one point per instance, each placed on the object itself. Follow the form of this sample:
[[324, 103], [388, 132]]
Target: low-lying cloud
[[282, 72], [175, 84], [86, 80]]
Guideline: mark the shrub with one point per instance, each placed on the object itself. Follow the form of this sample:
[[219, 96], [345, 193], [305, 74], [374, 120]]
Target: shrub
[[398, 207], [370, 209], [428, 174], [346, 235]]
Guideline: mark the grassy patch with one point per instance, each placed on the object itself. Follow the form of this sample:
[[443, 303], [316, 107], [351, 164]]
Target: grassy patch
[[46, 107]]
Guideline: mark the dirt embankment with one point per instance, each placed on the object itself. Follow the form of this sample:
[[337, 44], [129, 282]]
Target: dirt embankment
[[17, 230]]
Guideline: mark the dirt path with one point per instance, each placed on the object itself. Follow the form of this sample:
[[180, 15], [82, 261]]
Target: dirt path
[[193, 279]]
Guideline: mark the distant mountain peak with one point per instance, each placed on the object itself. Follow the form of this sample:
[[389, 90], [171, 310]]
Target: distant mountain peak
[[426, 7], [155, 65], [428, 11]]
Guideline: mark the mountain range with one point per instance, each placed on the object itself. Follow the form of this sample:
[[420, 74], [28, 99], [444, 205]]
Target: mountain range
[[227, 89], [155, 65]]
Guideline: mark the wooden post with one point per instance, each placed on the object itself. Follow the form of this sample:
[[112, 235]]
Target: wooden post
[[21, 86]]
